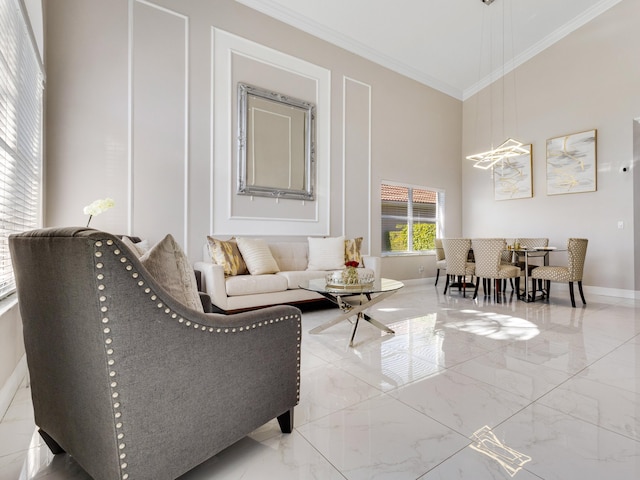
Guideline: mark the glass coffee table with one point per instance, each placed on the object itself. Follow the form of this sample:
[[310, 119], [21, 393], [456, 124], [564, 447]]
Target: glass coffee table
[[353, 300]]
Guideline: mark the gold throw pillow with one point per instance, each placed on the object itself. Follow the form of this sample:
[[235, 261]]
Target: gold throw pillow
[[226, 253]]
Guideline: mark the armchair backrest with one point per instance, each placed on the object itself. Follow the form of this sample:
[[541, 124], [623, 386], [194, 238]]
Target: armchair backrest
[[65, 282]]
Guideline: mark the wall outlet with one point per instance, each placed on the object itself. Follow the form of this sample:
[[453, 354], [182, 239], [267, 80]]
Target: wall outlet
[[421, 269], [620, 224]]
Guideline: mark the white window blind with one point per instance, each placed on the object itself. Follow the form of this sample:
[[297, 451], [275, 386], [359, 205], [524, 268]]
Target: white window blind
[[21, 92]]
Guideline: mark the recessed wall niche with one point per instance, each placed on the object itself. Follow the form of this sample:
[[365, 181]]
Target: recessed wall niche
[[237, 60]]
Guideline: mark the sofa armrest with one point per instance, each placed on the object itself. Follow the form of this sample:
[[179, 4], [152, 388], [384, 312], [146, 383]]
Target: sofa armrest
[[373, 263], [213, 283]]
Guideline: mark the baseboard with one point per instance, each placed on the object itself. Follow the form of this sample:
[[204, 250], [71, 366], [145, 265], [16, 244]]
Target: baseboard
[[10, 387]]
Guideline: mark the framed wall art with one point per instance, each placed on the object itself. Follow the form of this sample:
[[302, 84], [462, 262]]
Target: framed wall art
[[512, 178], [571, 163]]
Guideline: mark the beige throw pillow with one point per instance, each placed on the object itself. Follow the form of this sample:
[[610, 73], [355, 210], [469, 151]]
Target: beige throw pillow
[[352, 250], [227, 254], [326, 253], [170, 267], [257, 256]]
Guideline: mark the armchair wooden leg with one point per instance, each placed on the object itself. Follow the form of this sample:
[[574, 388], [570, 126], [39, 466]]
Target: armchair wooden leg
[[286, 421], [573, 300], [584, 302], [446, 284], [51, 443], [475, 292], [437, 276]]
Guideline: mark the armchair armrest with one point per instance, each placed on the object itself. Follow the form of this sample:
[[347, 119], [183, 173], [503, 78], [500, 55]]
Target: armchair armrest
[[369, 261], [213, 283]]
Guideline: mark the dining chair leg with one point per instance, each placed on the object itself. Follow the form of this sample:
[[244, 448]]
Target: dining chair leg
[[548, 289], [573, 300], [446, 284], [437, 276], [533, 291], [584, 302], [475, 292]]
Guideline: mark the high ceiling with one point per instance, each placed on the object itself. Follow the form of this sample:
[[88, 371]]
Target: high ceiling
[[455, 46]]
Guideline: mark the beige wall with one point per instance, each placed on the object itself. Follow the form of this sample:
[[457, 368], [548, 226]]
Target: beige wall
[[11, 351], [589, 80], [134, 112]]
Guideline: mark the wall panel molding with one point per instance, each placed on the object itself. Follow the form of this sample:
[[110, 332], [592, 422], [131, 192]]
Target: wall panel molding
[[158, 151], [356, 159], [279, 72]]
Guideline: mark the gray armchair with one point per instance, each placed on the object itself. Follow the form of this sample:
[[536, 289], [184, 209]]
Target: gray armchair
[[127, 380]]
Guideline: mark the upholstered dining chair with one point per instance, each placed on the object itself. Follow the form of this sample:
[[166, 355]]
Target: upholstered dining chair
[[488, 255], [530, 244], [456, 252], [131, 382], [441, 262], [576, 253], [507, 255]]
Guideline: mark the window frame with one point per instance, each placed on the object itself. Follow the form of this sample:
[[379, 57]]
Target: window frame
[[438, 221], [21, 133]]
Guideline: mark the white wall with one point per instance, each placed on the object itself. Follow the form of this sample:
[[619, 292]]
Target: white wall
[[140, 107], [589, 80]]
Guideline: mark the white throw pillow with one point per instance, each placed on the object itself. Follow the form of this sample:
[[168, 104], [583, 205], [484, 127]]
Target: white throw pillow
[[139, 248], [326, 253], [257, 256], [170, 267]]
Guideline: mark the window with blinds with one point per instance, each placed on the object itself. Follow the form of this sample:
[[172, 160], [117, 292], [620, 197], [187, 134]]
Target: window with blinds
[[21, 92], [411, 218]]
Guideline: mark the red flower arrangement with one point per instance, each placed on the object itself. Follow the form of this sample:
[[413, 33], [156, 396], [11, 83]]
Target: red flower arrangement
[[351, 263]]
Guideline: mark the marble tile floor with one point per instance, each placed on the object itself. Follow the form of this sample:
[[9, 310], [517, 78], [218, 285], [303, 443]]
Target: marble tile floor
[[464, 390]]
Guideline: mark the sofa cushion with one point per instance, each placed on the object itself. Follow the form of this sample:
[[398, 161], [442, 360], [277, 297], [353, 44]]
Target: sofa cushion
[[326, 253], [352, 250], [253, 284], [290, 255], [227, 254], [296, 277], [170, 267], [257, 256]]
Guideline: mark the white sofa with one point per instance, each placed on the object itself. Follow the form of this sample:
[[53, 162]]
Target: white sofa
[[243, 292]]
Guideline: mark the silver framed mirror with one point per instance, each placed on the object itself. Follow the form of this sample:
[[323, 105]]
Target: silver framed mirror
[[276, 144]]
